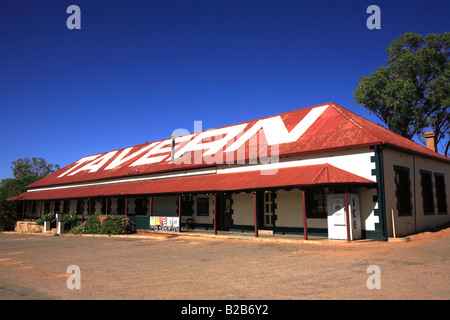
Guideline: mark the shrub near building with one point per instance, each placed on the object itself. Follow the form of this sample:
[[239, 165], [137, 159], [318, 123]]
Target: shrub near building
[[106, 224]]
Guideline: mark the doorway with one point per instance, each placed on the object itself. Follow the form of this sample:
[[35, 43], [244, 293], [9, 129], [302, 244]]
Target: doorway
[[223, 212], [268, 208]]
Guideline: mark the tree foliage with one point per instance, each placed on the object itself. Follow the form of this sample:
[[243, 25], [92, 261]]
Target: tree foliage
[[36, 167], [412, 93], [12, 187], [25, 172]]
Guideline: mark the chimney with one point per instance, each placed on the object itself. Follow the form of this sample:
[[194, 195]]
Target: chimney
[[172, 148], [429, 140]]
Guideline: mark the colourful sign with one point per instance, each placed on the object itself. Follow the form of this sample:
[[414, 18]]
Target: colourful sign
[[165, 224]]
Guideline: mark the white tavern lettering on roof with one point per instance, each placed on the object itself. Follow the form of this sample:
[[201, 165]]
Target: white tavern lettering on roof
[[274, 130]]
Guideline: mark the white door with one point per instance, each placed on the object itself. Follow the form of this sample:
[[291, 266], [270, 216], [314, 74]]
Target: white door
[[336, 219]]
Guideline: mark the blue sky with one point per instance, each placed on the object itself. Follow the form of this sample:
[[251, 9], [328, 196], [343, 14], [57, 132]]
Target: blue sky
[[137, 70]]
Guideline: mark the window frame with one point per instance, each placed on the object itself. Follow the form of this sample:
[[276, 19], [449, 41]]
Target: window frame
[[404, 197], [140, 206], [312, 204], [441, 195], [202, 206], [427, 192]]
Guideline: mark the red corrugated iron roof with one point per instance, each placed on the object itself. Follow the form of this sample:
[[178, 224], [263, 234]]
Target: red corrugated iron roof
[[323, 174], [331, 128]]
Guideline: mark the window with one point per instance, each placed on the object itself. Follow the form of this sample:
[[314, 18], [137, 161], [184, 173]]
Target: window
[[47, 206], [140, 206], [91, 206], [121, 205], [317, 204], [187, 205], [203, 206], [57, 205], [33, 207], [66, 206], [427, 192], [80, 206], [106, 206], [403, 191], [441, 195]]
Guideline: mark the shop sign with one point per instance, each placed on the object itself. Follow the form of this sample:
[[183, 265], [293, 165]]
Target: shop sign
[[165, 224]]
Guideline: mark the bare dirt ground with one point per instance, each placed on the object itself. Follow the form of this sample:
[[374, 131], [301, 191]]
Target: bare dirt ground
[[181, 267], [429, 235]]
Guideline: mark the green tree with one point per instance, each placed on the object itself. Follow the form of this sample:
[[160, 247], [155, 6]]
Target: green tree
[[12, 187], [25, 172], [8, 216], [36, 167], [412, 93]]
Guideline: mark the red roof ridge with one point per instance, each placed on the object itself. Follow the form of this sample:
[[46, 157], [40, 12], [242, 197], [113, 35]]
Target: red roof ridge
[[335, 128], [332, 174], [385, 136], [355, 119], [323, 174]]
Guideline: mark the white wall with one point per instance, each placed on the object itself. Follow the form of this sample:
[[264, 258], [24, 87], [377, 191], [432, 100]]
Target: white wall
[[98, 206], [356, 161], [418, 221], [131, 205], [243, 209], [289, 208], [164, 206], [72, 206], [114, 206], [290, 211], [209, 219], [367, 207]]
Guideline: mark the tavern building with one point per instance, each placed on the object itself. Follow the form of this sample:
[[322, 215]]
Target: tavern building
[[321, 170]]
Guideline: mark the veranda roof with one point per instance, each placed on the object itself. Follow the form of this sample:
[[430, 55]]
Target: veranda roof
[[311, 175]]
